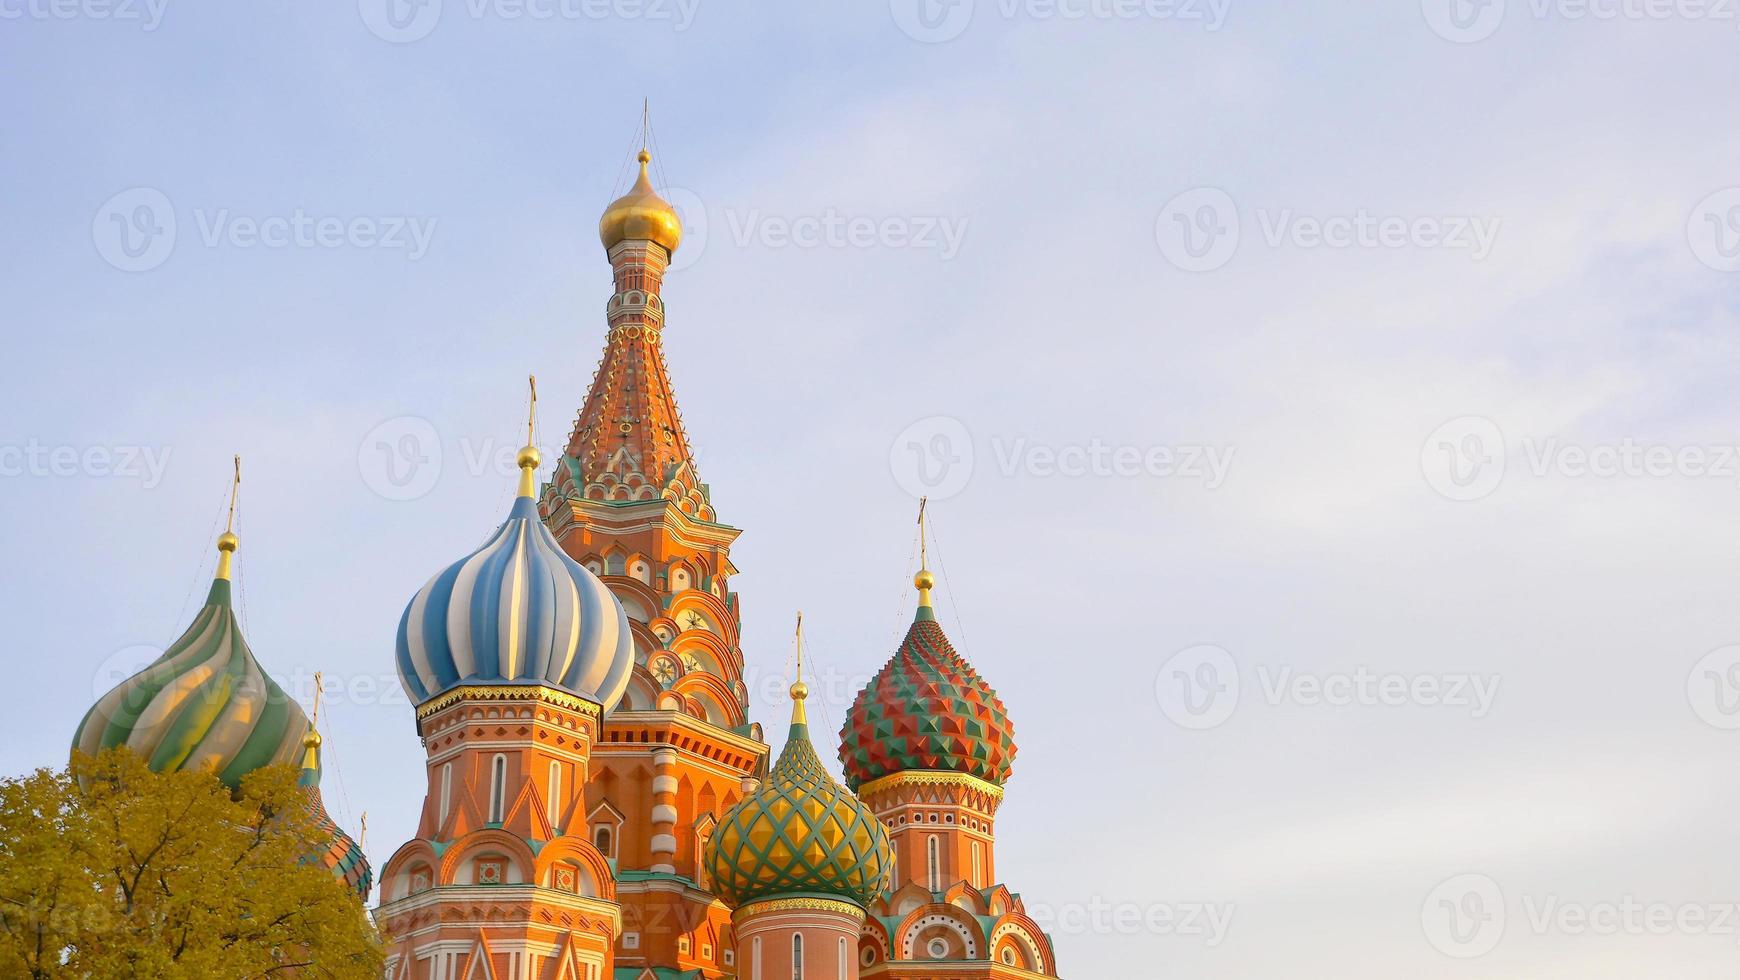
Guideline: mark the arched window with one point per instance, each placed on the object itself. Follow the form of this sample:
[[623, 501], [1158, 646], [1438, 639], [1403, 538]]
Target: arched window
[[978, 873], [601, 840], [842, 960], [755, 957], [497, 788], [556, 796], [446, 792], [797, 956], [933, 848]]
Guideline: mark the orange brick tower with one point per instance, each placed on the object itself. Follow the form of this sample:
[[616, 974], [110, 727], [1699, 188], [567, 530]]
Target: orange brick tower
[[626, 502], [511, 655], [928, 746]]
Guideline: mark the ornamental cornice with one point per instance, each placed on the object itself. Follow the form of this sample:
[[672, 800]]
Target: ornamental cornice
[[510, 692], [809, 904], [926, 777]]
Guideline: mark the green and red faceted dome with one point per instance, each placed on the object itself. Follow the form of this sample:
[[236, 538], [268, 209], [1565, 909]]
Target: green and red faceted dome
[[927, 710]]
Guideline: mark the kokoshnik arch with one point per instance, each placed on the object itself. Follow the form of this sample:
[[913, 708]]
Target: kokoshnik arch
[[599, 805]]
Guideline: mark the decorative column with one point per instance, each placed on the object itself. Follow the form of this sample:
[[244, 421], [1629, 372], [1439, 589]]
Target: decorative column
[[664, 812]]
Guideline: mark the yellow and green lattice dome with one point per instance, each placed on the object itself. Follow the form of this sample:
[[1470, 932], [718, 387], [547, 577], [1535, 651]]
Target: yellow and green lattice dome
[[801, 833]]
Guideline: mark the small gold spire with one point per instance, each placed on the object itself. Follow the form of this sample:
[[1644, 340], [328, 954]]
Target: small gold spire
[[228, 542], [311, 741], [799, 690], [529, 460], [362, 840], [924, 580]]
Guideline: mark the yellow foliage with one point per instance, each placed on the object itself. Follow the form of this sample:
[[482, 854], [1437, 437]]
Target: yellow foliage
[[166, 875]]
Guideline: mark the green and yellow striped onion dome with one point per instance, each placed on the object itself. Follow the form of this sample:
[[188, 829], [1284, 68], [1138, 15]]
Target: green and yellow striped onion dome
[[204, 704], [800, 833]]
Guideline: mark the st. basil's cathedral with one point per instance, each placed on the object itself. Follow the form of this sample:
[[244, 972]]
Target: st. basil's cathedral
[[599, 806]]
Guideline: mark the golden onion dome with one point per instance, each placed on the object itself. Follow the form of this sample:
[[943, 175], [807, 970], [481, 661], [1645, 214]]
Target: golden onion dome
[[641, 215]]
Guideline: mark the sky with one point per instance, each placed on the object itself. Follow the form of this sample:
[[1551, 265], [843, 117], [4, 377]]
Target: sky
[[1327, 412]]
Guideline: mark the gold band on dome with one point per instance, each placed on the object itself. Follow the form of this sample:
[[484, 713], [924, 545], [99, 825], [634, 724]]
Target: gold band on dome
[[837, 906], [930, 777], [496, 692]]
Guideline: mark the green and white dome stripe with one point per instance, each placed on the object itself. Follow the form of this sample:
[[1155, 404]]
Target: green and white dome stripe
[[205, 704]]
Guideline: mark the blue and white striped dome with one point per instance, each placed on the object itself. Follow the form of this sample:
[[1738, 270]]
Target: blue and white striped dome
[[516, 611]]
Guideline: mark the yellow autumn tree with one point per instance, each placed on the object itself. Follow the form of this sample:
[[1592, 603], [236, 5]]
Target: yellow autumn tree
[[108, 869]]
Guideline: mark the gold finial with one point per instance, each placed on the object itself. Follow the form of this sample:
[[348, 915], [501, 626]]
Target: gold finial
[[362, 840], [311, 741], [799, 690], [529, 460], [924, 580], [641, 214], [228, 542]]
